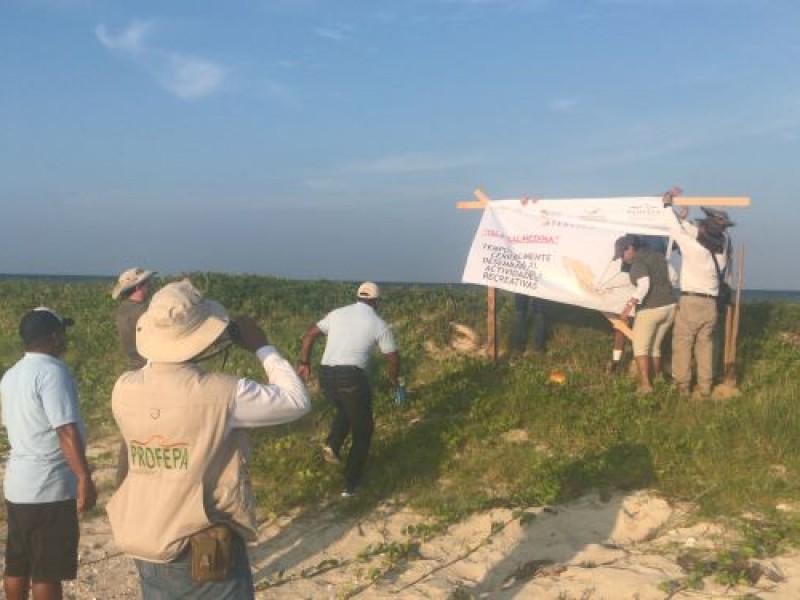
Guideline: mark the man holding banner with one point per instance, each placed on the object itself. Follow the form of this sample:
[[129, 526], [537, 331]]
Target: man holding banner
[[653, 295], [617, 275], [702, 256]]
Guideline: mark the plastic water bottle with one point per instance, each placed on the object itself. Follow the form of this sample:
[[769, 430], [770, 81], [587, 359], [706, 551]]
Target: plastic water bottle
[[400, 392]]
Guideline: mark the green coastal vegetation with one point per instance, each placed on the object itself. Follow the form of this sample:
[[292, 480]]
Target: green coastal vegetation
[[475, 433]]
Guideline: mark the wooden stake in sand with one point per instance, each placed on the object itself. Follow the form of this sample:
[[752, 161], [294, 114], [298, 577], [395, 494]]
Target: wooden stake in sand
[[732, 315]]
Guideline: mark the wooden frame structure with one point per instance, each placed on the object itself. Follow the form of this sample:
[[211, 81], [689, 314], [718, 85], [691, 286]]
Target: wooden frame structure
[[731, 318]]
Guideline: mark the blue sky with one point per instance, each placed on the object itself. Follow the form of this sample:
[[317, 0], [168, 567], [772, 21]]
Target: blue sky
[[332, 138]]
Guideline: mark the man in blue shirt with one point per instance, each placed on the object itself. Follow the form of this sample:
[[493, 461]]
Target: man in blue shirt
[[351, 333], [47, 480]]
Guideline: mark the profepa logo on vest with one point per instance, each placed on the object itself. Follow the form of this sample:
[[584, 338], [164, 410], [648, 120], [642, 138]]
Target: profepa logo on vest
[[158, 453]]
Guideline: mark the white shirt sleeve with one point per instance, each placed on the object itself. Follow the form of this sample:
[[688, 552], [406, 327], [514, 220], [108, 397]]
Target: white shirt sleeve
[[283, 400], [679, 230], [673, 275], [642, 287], [386, 341]]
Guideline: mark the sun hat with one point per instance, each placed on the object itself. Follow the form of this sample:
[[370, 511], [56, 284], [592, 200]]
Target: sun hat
[[719, 216], [40, 322], [368, 291], [179, 324], [129, 279]]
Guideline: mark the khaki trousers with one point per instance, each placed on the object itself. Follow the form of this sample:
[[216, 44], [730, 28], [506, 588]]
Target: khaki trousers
[[650, 328], [693, 335]]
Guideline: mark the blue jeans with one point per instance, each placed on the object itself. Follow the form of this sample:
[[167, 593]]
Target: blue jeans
[[173, 580]]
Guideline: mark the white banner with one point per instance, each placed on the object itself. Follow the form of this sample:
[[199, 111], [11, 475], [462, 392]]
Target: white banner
[[561, 250]]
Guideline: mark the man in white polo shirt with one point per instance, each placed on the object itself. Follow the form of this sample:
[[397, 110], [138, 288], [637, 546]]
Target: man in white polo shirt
[[351, 333]]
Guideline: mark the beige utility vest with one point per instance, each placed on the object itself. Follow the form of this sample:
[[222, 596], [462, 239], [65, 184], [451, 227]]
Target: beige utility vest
[[187, 469]]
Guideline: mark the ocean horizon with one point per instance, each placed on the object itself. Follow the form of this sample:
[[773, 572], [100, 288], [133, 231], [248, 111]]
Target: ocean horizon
[[748, 295]]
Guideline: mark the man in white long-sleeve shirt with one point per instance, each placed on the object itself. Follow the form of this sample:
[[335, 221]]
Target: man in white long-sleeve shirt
[[697, 308], [186, 509]]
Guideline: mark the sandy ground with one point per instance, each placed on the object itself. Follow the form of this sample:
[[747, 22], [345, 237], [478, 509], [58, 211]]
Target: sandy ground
[[622, 547], [619, 547]]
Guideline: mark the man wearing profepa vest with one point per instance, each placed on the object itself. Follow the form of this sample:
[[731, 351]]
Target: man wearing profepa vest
[[185, 510]]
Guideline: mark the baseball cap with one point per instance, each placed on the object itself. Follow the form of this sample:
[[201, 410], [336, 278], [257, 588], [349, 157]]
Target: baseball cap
[[39, 323], [368, 291], [622, 243]]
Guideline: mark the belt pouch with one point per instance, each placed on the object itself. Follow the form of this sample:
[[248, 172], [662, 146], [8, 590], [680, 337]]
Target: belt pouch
[[212, 556]]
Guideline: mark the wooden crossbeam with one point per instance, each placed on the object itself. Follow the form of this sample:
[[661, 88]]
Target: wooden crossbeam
[[483, 200], [712, 200]]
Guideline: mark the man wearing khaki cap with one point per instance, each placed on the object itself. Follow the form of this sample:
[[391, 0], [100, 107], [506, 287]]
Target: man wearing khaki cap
[[133, 288], [351, 333], [186, 508]]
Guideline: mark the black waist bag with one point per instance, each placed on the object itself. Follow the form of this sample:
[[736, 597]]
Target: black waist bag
[[212, 555], [724, 296]]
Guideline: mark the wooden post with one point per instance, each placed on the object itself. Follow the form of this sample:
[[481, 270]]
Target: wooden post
[[726, 348], [729, 372], [491, 299], [492, 323]]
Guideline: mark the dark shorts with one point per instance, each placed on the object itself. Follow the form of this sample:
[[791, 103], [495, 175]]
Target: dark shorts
[[42, 541]]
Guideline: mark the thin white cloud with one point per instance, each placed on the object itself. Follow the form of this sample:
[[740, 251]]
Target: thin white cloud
[[607, 157], [411, 164], [562, 105], [131, 40], [337, 33], [511, 4], [191, 78], [280, 92], [648, 141], [185, 76], [403, 167], [644, 3]]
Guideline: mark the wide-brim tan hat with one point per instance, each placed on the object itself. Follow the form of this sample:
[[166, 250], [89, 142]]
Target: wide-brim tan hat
[[129, 279], [718, 215], [179, 324]]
